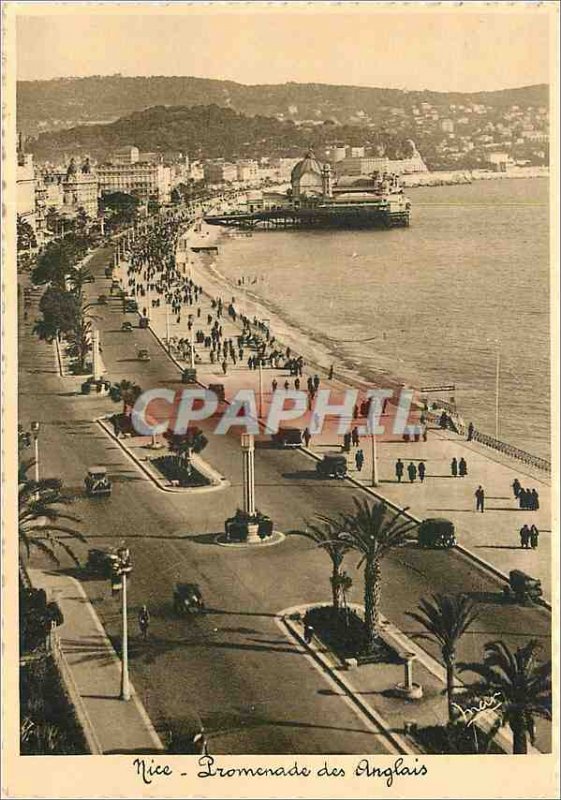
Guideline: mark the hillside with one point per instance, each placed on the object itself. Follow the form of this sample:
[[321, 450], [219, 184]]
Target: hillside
[[66, 102], [208, 131]]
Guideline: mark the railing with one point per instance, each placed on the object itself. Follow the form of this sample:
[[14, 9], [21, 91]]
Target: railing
[[496, 444]]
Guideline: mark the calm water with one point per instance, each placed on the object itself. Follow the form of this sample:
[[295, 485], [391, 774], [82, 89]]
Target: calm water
[[427, 303]]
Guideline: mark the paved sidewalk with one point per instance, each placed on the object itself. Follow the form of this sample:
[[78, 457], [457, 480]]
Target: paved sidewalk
[[492, 536], [117, 726]]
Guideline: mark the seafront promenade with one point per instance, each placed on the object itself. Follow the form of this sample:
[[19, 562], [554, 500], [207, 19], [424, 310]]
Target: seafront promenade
[[492, 537]]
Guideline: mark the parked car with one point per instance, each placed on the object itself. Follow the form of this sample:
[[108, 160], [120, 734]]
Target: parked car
[[131, 306], [332, 465], [143, 355], [144, 322], [115, 284], [97, 482], [218, 389], [288, 437], [437, 533], [126, 327], [189, 375]]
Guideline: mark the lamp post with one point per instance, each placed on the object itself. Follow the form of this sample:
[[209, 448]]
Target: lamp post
[[374, 459], [123, 569], [260, 389], [35, 432], [497, 388]]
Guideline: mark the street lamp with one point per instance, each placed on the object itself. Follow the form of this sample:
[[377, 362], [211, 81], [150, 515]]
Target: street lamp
[[123, 567], [35, 432]]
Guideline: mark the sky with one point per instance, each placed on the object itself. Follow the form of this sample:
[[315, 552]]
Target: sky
[[469, 49]]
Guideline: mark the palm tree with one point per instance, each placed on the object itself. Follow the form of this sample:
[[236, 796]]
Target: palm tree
[[523, 685], [373, 531], [125, 392], [183, 445], [325, 535], [445, 618], [41, 515]]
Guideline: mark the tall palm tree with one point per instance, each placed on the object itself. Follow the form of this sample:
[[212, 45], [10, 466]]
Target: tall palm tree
[[325, 535], [125, 392], [41, 516], [373, 531], [445, 618], [522, 684]]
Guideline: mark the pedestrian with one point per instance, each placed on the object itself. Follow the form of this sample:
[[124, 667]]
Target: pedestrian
[[331, 372], [359, 460], [535, 501], [516, 487], [522, 500], [274, 384], [471, 431], [421, 469], [524, 536], [346, 442], [462, 467], [534, 536], [297, 384], [316, 382], [355, 437], [286, 386], [480, 499], [224, 367], [399, 470], [307, 436], [144, 621], [454, 467], [412, 472]]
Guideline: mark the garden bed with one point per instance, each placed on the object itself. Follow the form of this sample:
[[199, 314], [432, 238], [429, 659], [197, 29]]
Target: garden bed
[[454, 739], [48, 723], [344, 632], [172, 470]]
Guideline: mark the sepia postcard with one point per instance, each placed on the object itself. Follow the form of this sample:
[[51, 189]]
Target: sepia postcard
[[280, 392]]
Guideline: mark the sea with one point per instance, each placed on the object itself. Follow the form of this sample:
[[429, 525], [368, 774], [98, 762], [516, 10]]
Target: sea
[[465, 287]]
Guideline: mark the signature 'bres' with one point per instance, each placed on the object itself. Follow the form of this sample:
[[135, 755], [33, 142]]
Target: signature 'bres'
[[490, 703]]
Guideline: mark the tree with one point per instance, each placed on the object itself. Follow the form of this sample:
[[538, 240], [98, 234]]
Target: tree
[[373, 531], [324, 536], [41, 515], [125, 392], [26, 239], [521, 682], [183, 445], [119, 207], [60, 310], [446, 617]]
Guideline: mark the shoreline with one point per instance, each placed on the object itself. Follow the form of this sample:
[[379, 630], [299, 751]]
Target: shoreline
[[312, 345], [466, 176]]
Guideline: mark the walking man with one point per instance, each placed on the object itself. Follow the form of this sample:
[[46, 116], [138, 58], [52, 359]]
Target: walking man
[[144, 621], [524, 537], [534, 535], [412, 472], [462, 467], [480, 499], [454, 467], [399, 470], [359, 460], [516, 487], [307, 436], [421, 469], [471, 430], [355, 437]]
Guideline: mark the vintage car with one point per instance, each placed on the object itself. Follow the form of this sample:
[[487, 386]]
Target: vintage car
[[101, 562], [143, 354], [144, 322], [187, 598], [130, 304], [287, 437], [218, 389], [522, 588], [108, 272], [332, 465], [97, 482], [115, 285], [126, 327], [189, 375], [437, 533]]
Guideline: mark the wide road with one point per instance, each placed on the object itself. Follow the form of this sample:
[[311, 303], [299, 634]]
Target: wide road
[[232, 667]]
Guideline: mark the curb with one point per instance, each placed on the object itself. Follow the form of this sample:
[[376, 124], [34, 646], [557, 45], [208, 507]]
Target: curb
[[374, 717], [464, 552], [148, 473]]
